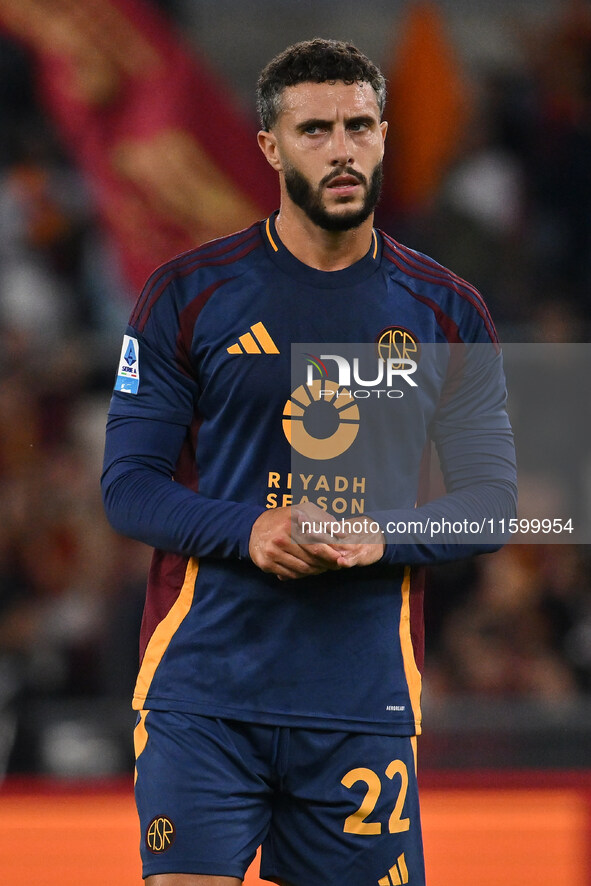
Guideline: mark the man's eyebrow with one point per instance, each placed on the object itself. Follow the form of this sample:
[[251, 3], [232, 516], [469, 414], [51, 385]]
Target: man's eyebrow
[[368, 119], [314, 121], [361, 118]]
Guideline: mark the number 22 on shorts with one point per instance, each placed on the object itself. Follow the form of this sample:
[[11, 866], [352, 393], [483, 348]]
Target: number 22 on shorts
[[357, 822]]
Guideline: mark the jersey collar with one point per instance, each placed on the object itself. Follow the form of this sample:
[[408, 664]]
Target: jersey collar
[[355, 273]]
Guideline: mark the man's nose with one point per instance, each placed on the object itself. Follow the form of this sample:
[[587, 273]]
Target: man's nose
[[342, 147]]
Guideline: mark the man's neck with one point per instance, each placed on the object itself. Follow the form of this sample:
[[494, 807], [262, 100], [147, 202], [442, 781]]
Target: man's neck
[[318, 248]]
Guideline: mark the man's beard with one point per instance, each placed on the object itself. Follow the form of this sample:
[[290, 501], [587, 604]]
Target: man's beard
[[303, 195]]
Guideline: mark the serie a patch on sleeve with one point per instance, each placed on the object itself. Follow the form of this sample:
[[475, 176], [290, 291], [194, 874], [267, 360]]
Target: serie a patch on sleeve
[[128, 373]]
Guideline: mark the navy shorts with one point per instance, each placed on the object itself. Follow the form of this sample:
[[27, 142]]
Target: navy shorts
[[327, 807]]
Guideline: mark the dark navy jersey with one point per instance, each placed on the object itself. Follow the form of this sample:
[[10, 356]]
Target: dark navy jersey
[[198, 446]]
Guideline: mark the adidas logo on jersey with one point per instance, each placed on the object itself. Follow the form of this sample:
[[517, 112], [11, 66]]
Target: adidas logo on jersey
[[397, 875], [257, 341]]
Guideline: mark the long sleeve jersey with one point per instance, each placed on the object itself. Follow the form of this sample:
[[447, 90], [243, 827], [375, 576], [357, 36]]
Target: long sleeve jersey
[[203, 424]]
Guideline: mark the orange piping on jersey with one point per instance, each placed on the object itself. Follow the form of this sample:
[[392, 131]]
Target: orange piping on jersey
[[375, 243], [140, 738], [412, 673], [167, 628], [271, 241]]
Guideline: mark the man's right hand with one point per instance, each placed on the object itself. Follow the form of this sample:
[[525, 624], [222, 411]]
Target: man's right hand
[[273, 547]]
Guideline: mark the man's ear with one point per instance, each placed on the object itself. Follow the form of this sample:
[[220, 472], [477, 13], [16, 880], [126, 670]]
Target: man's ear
[[268, 145]]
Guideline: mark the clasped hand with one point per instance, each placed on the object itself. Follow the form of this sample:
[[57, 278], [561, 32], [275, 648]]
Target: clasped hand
[[279, 544]]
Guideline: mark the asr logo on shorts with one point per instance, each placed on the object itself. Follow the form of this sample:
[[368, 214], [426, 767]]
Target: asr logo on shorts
[[160, 834]]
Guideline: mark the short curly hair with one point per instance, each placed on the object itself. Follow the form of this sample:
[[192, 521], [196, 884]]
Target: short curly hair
[[314, 61]]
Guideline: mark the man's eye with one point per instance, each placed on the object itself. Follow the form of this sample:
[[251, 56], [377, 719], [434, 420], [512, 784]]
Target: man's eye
[[358, 126]]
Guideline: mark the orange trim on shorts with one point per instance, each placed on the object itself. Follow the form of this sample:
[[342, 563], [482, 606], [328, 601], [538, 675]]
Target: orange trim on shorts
[[140, 738]]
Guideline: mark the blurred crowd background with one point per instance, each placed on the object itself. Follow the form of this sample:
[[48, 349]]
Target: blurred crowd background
[[128, 133]]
